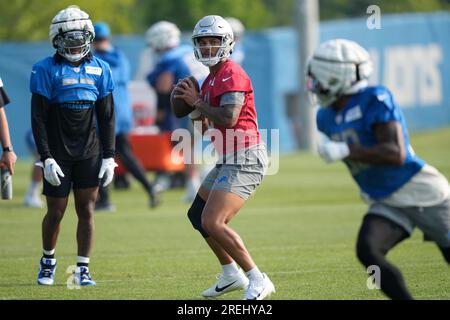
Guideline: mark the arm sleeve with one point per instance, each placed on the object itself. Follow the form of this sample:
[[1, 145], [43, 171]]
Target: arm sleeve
[[104, 109], [40, 107], [232, 97]]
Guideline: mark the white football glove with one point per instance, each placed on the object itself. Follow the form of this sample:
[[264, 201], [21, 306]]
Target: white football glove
[[51, 172], [107, 170], [332, 151]]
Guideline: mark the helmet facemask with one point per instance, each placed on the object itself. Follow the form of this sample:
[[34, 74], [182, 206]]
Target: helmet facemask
[[319, 91], [223, 51], [73, 45]]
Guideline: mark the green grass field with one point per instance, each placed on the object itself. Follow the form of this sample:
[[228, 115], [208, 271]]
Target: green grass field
[[300, 227]]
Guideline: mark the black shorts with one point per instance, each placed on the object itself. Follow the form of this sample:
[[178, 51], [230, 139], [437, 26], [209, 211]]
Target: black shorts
[[80, 174]]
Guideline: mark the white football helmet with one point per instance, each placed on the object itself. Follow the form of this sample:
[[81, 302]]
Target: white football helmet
[[71, 33], [338, 67], [213, 26], [237, 27], [163, 35]]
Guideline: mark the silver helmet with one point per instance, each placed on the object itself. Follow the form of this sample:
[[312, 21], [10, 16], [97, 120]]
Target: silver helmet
[[338, 67], [71, 33], [213, 26], [163, 35]]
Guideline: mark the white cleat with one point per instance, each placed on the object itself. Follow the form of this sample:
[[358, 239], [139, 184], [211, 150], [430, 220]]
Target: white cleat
[[82, 277], [226, 284], [258, 290], [46, 276]]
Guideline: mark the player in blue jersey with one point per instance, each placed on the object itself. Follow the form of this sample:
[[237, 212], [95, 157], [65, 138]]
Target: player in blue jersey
[[364, 127], [120, 68], [72, 110], [175, 62], [164, 38]]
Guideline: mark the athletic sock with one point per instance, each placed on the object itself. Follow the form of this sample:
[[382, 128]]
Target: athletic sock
[[254, 274], [82, 261], [230, 269], [48, 254]]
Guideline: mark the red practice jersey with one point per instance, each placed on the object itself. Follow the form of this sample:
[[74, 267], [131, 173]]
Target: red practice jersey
[[231, 77]]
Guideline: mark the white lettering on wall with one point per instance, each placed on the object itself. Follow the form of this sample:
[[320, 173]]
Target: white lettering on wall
[[412, 74]]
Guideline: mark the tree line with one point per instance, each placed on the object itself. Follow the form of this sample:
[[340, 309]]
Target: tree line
[[27, 20]]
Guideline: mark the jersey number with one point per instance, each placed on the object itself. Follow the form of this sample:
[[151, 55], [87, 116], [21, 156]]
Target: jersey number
[[351, 136]]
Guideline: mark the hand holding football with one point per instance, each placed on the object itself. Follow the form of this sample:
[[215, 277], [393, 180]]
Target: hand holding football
[[179, 106]]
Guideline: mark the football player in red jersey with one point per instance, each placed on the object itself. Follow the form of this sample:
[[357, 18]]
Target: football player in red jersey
[[226, 101]]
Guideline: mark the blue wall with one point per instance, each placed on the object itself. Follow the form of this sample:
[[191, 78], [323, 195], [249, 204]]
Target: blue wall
[[411, 54]]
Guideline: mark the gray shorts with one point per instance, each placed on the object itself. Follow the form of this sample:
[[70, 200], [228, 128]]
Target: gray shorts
[[434, 221], [240, 176]]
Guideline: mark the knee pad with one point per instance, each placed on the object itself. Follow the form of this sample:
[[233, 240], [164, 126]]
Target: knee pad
[[195, 215]]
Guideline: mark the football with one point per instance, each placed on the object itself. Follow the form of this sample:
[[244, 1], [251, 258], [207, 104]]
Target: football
[[179, 107]]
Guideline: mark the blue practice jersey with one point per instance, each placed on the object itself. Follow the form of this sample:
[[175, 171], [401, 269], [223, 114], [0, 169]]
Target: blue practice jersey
[[120, 68], [72, 119], [172, 61], [354, 124], [181, 63], [62, 82]]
